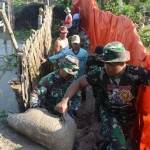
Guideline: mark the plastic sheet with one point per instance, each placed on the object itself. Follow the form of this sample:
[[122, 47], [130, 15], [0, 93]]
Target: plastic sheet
[[103, 27]]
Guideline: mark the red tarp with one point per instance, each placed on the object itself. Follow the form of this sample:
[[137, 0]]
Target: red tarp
[[103, 27]]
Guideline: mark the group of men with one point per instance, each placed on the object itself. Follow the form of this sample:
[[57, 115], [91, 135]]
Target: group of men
[[114, 83]]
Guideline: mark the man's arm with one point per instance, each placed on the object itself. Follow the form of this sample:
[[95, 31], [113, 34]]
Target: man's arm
[[57, 56], [57, 46], [71, 91], [144, 76], [41, 90]]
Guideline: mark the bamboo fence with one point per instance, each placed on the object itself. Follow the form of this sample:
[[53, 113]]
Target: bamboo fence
[[35, 47]]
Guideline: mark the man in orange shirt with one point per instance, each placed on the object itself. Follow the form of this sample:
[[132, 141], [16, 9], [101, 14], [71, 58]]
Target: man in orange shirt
[[68, 19]]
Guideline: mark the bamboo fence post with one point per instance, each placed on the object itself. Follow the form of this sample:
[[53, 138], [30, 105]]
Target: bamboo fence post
[[9, 29], [10, 12], [40, 17]]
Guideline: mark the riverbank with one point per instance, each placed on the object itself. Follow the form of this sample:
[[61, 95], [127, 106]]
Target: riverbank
[[9, 139], [8, 101]]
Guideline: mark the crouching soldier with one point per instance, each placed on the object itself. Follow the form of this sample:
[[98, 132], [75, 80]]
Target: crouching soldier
[[116, 87], [52, 87]]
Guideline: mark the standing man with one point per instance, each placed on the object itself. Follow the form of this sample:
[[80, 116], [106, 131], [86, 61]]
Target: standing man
[[116, 87], [76, 51], [62, 40], [68, 19]]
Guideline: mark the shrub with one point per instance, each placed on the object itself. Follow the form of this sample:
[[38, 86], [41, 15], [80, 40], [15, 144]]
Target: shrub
[[145, 35]]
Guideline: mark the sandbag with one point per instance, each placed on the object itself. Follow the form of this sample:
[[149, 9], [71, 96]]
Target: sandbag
[[44, 128]]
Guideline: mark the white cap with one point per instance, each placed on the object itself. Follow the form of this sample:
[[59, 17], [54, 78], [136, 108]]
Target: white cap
[[75, 39]]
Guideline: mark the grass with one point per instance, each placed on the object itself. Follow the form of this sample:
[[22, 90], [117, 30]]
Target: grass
[[22, 34], [147, 27], [18, 4]]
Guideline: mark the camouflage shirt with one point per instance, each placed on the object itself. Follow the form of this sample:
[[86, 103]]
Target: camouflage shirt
[[51, 90], [117, 95], [92, 63]]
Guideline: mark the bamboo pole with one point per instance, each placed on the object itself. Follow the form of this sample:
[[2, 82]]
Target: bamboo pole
[[9, 29], [10, 12], [3, 8], [40, 17]]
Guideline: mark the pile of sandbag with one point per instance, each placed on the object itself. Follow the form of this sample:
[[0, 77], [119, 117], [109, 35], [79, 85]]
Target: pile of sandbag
[[44, 128]]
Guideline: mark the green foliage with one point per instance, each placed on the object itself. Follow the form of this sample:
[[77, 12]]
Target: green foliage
[[145, 35], [18, 4], [23, 34], [142, 5], [66, 3], [132, 13], [128, 10], [113, 7]]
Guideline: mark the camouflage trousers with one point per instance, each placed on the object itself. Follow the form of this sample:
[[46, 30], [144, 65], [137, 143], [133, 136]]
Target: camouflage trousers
[[111, 130]]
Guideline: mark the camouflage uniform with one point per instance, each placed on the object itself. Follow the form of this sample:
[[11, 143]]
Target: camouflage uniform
[[95, 60], [93, 63], [52, 87], [116, 101]]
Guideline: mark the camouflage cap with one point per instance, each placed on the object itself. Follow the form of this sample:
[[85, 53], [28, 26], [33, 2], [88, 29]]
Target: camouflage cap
[[70, 64], [115, 52]]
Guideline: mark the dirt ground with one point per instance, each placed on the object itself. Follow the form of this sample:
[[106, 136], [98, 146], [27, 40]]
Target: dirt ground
[[10, 140]]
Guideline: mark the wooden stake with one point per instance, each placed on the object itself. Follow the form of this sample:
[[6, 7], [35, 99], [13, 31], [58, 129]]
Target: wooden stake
[[9, 29]]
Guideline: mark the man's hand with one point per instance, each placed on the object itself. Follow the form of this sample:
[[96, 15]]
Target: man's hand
[[62, 106], [34, 100], [43, 60]]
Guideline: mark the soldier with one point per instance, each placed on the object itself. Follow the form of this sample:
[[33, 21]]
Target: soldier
[[116, 86], [51, 88], [95, 60]]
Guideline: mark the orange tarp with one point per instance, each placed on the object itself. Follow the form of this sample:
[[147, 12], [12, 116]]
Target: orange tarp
[[103, 27], [144, 117]]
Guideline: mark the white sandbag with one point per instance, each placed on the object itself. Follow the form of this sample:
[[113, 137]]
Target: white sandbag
[[45, 129]]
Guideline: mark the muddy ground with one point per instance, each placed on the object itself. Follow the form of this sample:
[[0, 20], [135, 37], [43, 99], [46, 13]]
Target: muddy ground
[[11, 140]]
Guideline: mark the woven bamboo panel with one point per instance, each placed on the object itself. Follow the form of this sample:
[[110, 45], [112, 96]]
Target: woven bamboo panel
[[35, 47]]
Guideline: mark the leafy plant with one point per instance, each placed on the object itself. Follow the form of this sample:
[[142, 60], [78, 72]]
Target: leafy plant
[[18, 4], [23, 34], [113, 7], [132, 13], [66, 3], [145, 35], [126, 9]]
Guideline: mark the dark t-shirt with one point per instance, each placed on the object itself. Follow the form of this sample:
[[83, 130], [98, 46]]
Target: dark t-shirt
[[118, 95], [92, 63]]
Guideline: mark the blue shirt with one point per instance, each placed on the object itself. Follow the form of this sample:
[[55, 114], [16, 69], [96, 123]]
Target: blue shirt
[[82, 55]]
